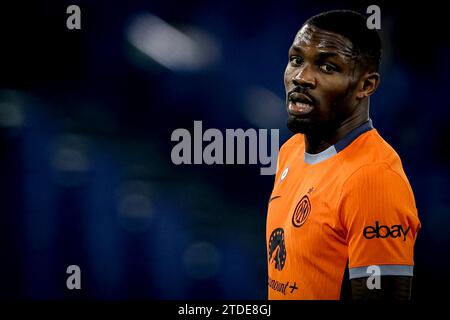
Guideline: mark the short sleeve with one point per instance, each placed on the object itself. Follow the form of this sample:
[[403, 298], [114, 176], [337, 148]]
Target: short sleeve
[[378, 212]]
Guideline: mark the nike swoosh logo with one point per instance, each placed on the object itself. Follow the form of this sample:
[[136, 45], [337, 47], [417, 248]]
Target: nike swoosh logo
[[273, 198]]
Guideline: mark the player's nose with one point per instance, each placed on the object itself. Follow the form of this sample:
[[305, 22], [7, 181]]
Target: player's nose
[[305, 77]]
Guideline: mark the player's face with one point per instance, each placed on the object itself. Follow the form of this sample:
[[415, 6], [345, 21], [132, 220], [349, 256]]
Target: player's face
[[320, 81]]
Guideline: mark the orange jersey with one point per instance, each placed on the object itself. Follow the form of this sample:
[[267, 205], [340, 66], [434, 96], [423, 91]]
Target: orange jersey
[[351, 202]]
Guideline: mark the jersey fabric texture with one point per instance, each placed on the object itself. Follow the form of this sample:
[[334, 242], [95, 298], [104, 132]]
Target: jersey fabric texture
[[349, 204]]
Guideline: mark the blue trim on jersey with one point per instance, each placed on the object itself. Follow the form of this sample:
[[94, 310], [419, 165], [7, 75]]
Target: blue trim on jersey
[[352, 135], [338, 146], [385, 270]]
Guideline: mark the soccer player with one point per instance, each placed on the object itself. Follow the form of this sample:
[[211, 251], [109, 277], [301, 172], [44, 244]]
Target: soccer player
[[341, 198]]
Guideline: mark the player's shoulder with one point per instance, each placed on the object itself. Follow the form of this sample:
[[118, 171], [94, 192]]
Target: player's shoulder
[[375, 147], [295, 142], [292, 148], [372, 157]]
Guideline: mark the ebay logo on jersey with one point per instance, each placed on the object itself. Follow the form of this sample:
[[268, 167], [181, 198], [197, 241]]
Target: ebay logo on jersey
[[381, 231]]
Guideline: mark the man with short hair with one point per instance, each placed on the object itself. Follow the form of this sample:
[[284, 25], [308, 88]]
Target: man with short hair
[[340, 198]]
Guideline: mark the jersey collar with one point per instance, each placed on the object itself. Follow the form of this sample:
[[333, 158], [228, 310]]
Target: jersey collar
[[340, 145]]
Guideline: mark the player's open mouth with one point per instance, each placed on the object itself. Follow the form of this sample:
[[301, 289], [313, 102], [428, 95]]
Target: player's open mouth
[[300, 104], [299, 108]]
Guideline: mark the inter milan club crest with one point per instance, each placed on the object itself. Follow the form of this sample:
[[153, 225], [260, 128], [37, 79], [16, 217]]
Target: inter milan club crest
[[277, 249], [301, 212]]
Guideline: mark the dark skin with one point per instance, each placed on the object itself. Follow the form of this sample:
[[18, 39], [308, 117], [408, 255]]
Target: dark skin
[[323, 66], [327, 96]]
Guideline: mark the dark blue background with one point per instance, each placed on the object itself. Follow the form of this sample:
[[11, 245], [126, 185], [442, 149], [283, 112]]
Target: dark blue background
[[86, 176]]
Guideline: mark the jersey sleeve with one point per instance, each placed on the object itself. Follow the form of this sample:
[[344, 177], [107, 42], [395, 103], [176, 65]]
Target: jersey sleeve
[[379, 215]]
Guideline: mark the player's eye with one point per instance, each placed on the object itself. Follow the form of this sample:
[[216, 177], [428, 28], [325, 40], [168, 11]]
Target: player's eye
[[327, 68], [296, 60]]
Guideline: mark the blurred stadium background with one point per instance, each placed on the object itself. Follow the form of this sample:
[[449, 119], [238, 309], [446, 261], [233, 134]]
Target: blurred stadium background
[[86, 118]]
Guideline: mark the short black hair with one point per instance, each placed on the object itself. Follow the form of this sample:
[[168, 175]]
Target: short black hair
[[353, 26]]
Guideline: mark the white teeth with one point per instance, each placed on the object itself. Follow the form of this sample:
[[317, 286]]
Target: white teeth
[[302, 105]]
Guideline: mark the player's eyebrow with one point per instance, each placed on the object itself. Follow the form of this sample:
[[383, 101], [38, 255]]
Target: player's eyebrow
[[323, 54], [296, 48], [340, 54], [327, 54]]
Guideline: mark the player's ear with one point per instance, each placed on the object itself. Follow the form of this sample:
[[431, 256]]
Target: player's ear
[[368, 84]]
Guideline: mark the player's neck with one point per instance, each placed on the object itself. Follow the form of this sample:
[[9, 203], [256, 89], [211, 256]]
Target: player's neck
[[318, 143]]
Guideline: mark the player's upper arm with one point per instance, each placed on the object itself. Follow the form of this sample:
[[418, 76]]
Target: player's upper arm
[[378, 212]]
